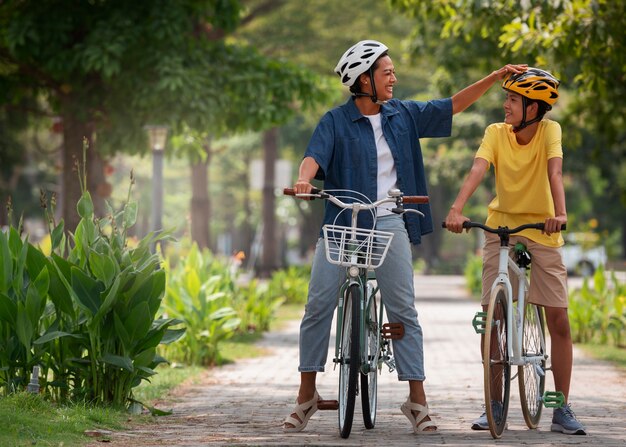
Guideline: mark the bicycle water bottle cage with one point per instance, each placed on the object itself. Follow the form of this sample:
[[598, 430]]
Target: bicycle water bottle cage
[[553, 399], [522, 256], [479, 322], [392, 331]]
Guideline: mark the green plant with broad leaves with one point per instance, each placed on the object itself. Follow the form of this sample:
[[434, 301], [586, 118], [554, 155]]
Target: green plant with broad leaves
[[598, 313], [257, 305], [291, 284], [87, 314], [23, 309], [200, 293]]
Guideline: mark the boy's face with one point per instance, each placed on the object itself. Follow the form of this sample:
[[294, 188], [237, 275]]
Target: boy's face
[[513, 109]]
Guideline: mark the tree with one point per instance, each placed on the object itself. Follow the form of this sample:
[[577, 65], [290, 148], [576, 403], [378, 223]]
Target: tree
[[108, 67], [584, 44]]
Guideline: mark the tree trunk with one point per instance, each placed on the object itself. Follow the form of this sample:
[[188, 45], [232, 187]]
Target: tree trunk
[[200, 200], [269, 257]]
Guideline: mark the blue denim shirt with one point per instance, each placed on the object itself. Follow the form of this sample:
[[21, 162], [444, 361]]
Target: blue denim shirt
[[343, 146]]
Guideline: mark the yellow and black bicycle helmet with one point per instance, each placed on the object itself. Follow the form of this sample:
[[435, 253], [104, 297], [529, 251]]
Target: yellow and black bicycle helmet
[[534, 84]]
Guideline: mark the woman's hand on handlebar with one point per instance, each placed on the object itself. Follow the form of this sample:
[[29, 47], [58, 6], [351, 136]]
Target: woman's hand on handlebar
[[454, 221], [302, 187], [554, 224]]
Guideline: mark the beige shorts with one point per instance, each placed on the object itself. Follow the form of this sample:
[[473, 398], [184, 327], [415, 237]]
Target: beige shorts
[[548, 276]]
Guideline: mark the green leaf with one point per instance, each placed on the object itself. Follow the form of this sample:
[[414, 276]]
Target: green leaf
[[60, 290], [24, 327], [110, 298], [121, 332], [86, 290], [85, 206], [58, 235], [138, 322], [144, 358], [50, 336], [103, 267], [119, 361], [8, 310], [6, 263], [130, 214], [35, 261], [171, 335]]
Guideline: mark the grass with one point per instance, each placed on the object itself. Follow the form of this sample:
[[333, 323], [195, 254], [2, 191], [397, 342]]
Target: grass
[[612, 354], [28, 419]]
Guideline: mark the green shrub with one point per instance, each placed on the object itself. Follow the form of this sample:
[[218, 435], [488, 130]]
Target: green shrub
[[598, 314], [87, 314], [291, 284], [474, 275], [201, 293], [257, 306]]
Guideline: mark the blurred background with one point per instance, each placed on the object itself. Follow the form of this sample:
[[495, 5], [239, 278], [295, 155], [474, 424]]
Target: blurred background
[[210, 105]]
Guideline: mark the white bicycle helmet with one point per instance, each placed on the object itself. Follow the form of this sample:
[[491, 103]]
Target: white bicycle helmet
[[358, 59]]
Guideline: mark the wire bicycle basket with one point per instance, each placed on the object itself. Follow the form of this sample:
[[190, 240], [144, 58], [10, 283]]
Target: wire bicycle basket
[[348, 246]]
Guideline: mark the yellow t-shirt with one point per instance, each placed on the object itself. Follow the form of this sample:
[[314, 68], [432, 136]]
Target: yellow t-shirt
[[523, 193]]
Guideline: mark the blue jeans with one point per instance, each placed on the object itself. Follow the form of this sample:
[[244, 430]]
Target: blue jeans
[[395, 279]]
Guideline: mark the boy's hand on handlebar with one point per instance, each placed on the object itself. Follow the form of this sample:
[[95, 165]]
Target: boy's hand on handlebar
[[455, 220], [554, 224]]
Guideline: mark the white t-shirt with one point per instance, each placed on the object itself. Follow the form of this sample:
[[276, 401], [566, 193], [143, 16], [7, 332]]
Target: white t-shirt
[[387, 175]]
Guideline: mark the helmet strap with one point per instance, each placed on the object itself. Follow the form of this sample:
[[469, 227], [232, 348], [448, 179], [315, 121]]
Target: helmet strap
[[525, 123], [373, 96]]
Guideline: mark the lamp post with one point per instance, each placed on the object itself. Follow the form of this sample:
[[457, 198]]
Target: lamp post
[[157, 136]]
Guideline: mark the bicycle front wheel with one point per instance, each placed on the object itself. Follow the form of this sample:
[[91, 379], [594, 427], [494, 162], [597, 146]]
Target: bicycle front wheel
[[369, 374], [349, 366], [532, 375], [496, 363]]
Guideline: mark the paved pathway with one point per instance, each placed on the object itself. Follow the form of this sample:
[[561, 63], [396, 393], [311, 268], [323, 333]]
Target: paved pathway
[[245, 403]]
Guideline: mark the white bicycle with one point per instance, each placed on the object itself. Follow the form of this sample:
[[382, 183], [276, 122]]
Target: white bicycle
[[514, 335]]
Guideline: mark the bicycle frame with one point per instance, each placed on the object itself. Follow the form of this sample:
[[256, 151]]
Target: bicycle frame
[[515, 312]]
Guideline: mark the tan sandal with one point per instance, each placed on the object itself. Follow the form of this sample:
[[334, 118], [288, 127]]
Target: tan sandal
[[418, 423], [304, 411]]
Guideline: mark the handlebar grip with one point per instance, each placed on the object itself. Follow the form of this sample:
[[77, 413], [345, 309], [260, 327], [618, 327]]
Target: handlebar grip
[[466, 224], [292, 192], [415, 199]]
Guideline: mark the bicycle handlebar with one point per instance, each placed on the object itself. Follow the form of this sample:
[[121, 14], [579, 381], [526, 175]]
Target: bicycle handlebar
[[505, 230], [318, 193]]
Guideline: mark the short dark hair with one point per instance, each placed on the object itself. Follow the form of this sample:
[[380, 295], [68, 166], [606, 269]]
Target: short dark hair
[[542, 106], [356, 87]]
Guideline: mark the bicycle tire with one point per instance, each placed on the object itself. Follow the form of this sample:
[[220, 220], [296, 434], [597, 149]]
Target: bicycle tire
[[532, 382], [497, 368], [369, 378], [349, 366]]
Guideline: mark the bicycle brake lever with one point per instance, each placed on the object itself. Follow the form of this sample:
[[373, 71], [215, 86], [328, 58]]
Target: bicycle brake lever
[[411, 210]]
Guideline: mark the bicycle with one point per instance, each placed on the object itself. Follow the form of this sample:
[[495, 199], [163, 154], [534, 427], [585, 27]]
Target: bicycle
[[514, 335], [362, 342]]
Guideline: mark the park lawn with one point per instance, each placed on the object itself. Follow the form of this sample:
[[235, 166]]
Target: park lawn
[[28, 419]]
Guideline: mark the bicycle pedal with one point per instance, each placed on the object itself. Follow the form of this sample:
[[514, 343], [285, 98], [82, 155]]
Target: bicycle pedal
[[392, 331], [553, 399], [480, 322], [327, 405]]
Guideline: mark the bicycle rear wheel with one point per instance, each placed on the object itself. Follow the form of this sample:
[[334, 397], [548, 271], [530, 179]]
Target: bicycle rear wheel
[[349, 366], [532, 376], [496, 363], [369, 377]]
